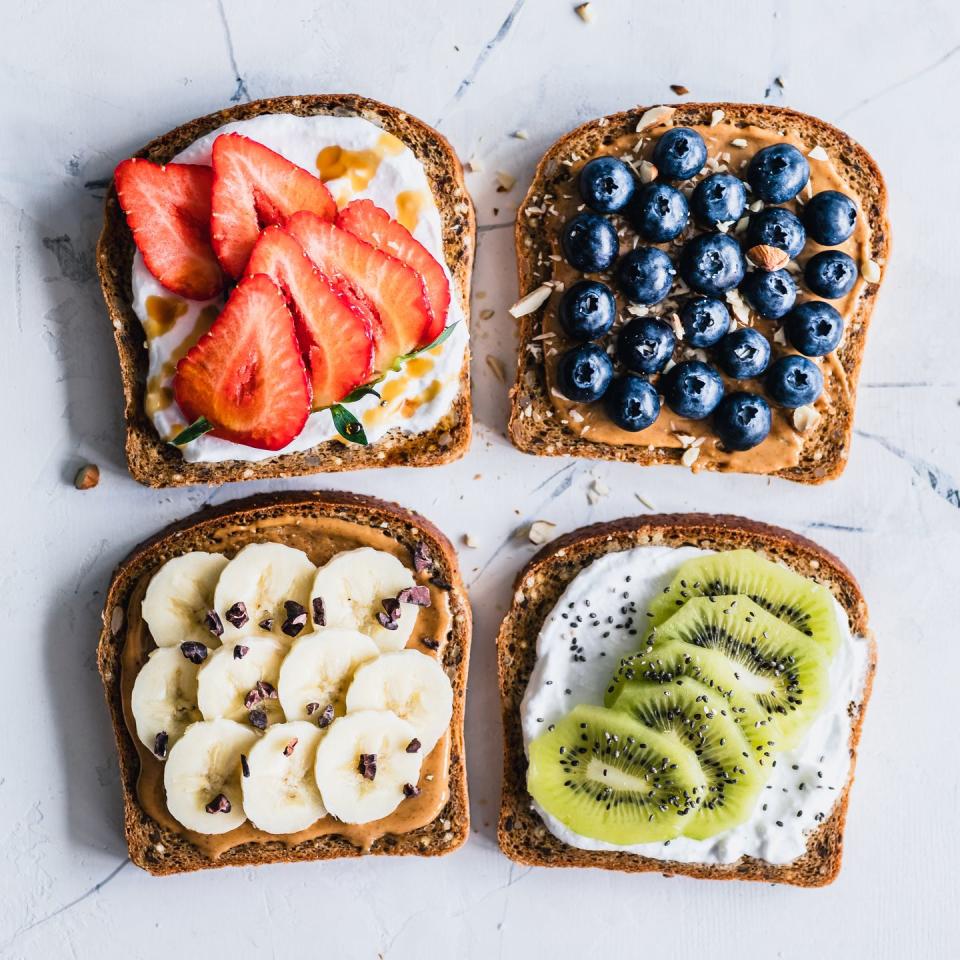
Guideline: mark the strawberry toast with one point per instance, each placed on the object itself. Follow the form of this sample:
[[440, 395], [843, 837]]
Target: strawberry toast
[[288, 282]]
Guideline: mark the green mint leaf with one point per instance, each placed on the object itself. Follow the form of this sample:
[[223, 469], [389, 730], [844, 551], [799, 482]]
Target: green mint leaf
[[198, 428], [348, 426]]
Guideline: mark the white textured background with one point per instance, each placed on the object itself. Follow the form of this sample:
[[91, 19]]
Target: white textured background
[[83, 84]]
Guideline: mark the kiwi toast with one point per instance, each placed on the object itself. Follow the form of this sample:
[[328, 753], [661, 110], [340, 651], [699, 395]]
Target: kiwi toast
[[321, 526], [622, 396], [537, 810], [152, 458]]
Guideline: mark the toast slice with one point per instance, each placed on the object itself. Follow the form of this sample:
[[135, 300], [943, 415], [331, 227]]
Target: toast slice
[[161, 851], [157, 464], [534, 427], [522, 834]]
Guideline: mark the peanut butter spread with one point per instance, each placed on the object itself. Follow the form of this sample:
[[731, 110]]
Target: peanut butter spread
[[729, 149], [320, 539]]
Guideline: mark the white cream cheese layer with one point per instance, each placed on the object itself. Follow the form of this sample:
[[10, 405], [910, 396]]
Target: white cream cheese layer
[[384, 170], [807, 780]]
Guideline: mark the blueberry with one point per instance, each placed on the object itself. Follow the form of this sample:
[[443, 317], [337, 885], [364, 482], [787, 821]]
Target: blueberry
[[692, 389], [645, 345], [660, 212], [680, 153], [776, 227], [830, 274], [778, 173], [719, 198], [704, 320], [590, 243], [587, 310], [794, 381], [772, 294], [830, 217], [606, 184], [742, 420], [646, 275], [814, 328], [632, 402], [584, 373], [743, 354], [712, 263]]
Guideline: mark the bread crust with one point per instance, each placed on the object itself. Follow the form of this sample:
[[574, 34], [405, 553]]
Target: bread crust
[[155, 463], [521, 832], [160, 851], [825, 452]]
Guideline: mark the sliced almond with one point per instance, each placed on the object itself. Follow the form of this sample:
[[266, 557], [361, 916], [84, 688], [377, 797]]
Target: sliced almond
[[585, 12], [805, 419], [679, 89], [716, 117], [739, 142], [541, 531], [768, 258], [486, 314], [690, 456], [521, 135], [505, 181], [870, 270], [648, 171], [818, 153], [654, 116], [534, 300], [496, 367], [471, 541]]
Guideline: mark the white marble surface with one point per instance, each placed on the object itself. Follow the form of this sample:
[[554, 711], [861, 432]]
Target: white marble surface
[[84, 84]]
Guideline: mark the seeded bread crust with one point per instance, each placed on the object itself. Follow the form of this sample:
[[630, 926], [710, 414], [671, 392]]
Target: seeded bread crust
[[160, 851], [157, 464], [824, 454], [522, 834]]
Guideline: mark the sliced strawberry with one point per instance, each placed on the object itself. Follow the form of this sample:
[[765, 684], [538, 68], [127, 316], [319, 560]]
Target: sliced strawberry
[[253, 188], [335, 330], [246, 375], [391, 287], [168, 211], [364, 219]]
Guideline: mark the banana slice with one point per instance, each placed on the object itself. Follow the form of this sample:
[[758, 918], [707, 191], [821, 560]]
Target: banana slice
[[280, 793], [363, 768], [239, 682], [179, 597], [409, 684], [351, 589], [318, 669], [264, 591], [202, 776], [164, 699]]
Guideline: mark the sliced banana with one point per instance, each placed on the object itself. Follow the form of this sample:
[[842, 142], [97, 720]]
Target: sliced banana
[[409, 684], [164, 699], [318, 669], [280, 793], [239, 682], [363, 768], [352, 587], [179, 597], [202, 776], [255, 587]]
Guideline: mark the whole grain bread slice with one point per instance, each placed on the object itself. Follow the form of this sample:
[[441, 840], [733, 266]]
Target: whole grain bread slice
[[534, 430], [522, 834], [162, 851], [157, 464]]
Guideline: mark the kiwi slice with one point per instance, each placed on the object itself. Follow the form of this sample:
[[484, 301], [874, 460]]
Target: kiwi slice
[[606, 776], [700, 718], [797, 601], [774, 677]]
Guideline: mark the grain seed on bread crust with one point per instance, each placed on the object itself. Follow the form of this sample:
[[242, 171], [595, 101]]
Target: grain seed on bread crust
[[161, 851], [521, 833], [532, 426], [154, 462]]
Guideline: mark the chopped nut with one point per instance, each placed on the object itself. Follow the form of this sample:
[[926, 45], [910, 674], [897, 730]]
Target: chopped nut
[[367, 767], [716, 117], [654, 116], [768, 258], [505, 181], [486, 314], [195, 652], [690, 455], [290, 747], [679, 89], [521, 135], [470, 541], [739, 142], [532, 301], [805, 419], [818, 153], [496, 367], [473, 165], [585, 12], [648, 171], [541, 531], [870, 270], [87, 477]]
